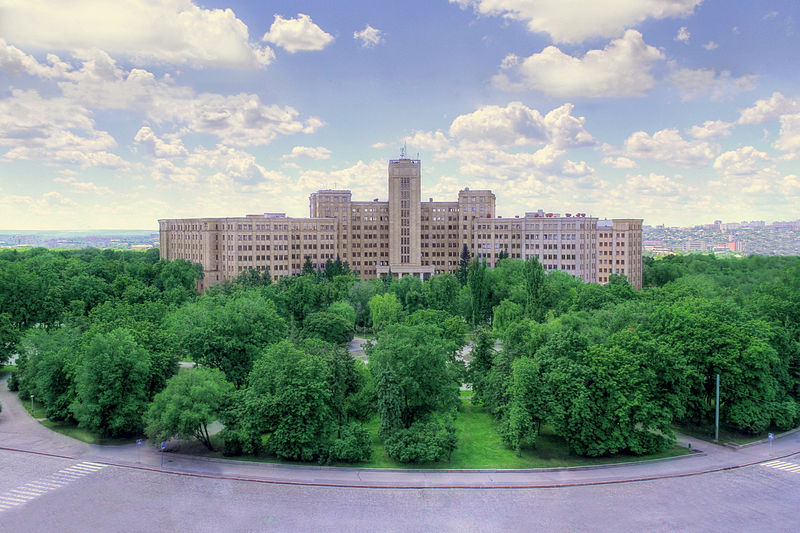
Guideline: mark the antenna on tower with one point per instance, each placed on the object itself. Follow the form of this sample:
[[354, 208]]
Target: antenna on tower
[[403, 151]]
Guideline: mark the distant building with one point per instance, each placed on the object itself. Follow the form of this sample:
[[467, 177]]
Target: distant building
[[404, 236]]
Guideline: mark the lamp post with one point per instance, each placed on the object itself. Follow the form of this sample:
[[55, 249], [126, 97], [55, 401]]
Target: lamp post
[[32, 406], [716, 421]]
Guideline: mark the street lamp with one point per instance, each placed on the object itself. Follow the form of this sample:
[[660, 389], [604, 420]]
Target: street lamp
[[32, 405]]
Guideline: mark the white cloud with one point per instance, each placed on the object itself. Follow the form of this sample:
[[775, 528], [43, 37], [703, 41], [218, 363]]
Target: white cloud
[[297, 34], [694, 83], [433, 141], [743, 161], [711, 129], [378, 145], [145, 31], [519, 125], [14, 208], [308, 152], [16, 62], [369, 36], [83, 186], [768, 109], [654, 185], [369, 179], [240, 119], [55, 131], [619, 162], [669, 147], [683, 35], [231, 163], [789, 137], [167, 172], [711, 45], [576, 21], [622, 68], [158, 147]]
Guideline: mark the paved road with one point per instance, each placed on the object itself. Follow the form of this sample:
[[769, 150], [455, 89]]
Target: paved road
[[121, 488], [756, 498]]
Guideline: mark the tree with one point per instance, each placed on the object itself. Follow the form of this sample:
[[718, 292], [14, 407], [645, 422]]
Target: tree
[[288, 402], [112, 385], [529, 404], [328, 327], [534, 282], [418, 358], [481, 363], [308, 268], [226, 333], [463, 265], [359, 296], [253, 278], [441, 292], [505, 314], [384, 310], [9, 335], [189, 403], [476, 281], [344, 310], [46, 369]]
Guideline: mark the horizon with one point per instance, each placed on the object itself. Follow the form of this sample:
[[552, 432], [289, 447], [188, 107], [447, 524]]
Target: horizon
[[122, 115]]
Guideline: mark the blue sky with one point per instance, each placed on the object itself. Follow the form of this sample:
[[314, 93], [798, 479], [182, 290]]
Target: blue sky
[[115, 114]]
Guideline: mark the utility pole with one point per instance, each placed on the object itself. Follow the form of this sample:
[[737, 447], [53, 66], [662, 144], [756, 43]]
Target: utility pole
[[716, 423]]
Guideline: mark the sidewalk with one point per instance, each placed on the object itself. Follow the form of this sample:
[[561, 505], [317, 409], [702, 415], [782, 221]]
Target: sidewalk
[[18, 431]]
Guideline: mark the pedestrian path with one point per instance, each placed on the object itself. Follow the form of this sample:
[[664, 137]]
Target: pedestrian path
[[783, 465], [21, 495]]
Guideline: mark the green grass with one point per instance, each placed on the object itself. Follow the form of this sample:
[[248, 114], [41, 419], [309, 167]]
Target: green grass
[[726, 434], [480, 446], [7, 369]]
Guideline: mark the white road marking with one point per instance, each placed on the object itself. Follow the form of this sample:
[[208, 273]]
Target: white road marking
[[783, 465], [29, 491]]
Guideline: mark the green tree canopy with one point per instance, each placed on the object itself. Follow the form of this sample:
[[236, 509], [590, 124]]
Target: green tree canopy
[[190, 402]]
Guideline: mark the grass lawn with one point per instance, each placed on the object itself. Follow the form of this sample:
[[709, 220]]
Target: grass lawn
[[7, 369], [706, 433], [480, 446]]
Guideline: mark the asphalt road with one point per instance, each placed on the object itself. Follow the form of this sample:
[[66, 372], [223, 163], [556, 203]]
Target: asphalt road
[[755, 498], [120, 488]]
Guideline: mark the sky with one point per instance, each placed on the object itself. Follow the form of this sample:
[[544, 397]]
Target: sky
[[116, 114]]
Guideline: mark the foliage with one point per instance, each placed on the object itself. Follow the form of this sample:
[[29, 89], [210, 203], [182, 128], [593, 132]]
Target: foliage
[[414, 372], [353, 446], [9, 335], [422, 442], [111, 385], [385, 309], [288, 402], [226, 332], [479, 290], [189, 403], [328, 327]]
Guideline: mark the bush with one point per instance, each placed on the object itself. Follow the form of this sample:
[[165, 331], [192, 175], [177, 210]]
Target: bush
[[353, 446], [423, 442]]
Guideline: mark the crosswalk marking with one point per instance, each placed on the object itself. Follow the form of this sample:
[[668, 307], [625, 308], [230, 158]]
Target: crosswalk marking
[[29, 491], [783, 465]]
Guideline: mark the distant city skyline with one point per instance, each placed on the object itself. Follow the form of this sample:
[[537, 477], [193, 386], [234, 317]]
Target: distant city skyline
[[680, 112]]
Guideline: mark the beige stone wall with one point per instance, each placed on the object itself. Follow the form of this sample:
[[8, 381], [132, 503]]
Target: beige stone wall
[[372, 238], [620, 250]]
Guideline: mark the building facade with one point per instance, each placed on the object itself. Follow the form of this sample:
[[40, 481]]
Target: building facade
[[404, 236]]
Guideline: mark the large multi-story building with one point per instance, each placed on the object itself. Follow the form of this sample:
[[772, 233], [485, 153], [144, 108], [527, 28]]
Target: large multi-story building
[[404, 236]]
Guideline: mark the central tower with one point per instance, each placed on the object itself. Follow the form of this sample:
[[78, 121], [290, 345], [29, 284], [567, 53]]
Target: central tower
[[404, 213]]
